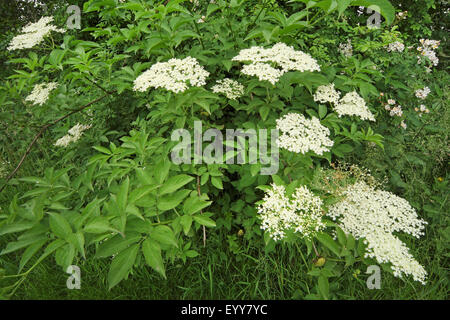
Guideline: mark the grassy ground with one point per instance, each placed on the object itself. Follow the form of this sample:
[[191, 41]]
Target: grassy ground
[[220, 274]]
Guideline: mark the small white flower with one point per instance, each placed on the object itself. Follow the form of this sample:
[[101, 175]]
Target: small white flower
[[375, 215], [33, 34], [73, 135], [263, 61], [422, 93], [300, 213], [327, 93], [353, 105], [41, 92], [231, 88], [174, 75], [301, 135]]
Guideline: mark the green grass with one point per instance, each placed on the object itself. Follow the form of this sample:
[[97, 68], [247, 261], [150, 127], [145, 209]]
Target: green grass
[[220, 274]]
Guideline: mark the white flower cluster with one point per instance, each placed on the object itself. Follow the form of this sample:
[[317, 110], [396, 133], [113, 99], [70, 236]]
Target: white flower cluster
[[422, 109], [403, 125], [326, 94], [353, 105], [422, 93], [231, 88], [395, 46], [427, 50], [302, 213], [301, 135], [346, 49], [375, 215], [40, 92], [394, 111], [33, 34], [173, 75], [281, 55], [73, 135]]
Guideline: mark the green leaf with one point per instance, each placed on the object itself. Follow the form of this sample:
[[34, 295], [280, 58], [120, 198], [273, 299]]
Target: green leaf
[[175, 183], [122, 195], [15, 227], [322, 111], [59, 225], [186, 222], [77, 240], [30, 252], [121, 265], [115, 245], [204, 221], [152, 255], [162, 170], [194, 204], [324, 287], [217, 182], [164, 234], [328, 242], [17, 245], [98, 225], [170, 201], [140, 192]]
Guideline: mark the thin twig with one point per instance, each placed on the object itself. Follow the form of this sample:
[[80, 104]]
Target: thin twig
[[199, 194], [43, 129]]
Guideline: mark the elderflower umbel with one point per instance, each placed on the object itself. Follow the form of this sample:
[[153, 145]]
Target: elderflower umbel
[[40, 92], [73, 135], [427, 49], [232, 89], [422, 93], [301, 135], [301, 213], [327, 93], [375, 215], [173, 75], [395, 46], [353, 105], [346, 49], [33, 34], [263, 61]]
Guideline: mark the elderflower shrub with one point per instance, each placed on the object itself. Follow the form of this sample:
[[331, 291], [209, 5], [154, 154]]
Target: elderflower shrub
[[301, 135], [282, 56], [230, 88], [73, 135], [174, 75], [375, 216], [41, 92], [300, 213], [352, 104], [33, 34]]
